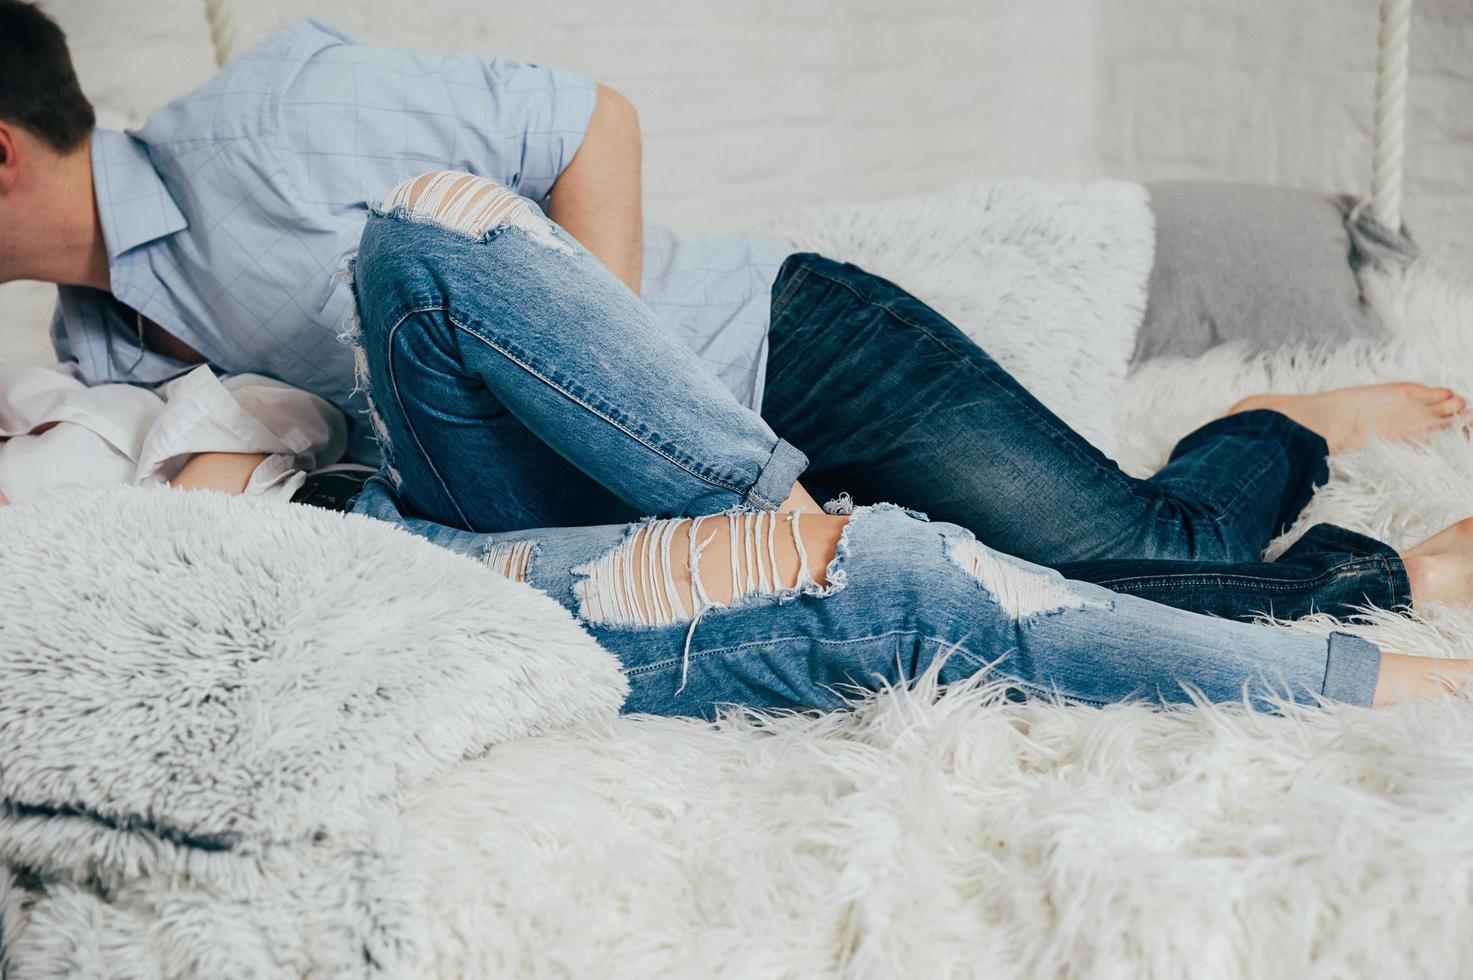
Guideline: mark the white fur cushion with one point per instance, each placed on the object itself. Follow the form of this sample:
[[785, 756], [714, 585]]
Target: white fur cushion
[[254, 673]]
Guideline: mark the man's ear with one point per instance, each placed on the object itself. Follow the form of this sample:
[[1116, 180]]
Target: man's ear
[[9, 157]]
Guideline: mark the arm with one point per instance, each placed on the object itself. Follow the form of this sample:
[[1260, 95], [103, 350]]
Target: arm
[[596, 199], [226, 472]]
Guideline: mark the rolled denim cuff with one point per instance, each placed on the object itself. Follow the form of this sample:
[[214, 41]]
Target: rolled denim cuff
[[1375, 576], [775, 482], [1352, 666], [1332, 539]]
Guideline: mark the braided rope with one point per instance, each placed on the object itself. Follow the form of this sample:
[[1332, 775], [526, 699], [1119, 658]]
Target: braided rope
[[222, 30], [1389, 140]]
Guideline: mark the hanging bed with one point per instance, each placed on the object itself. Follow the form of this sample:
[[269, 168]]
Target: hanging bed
[[284, 742]]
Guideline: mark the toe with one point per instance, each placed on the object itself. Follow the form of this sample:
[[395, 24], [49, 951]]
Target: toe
[[1431, 396]]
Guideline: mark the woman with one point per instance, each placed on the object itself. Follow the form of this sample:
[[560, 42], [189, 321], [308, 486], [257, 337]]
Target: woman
[[240, 434], [512, 376]]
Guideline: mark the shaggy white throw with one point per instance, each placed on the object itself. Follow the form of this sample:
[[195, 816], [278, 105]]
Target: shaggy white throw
[[212, 709], [968, 837], [926, 836]]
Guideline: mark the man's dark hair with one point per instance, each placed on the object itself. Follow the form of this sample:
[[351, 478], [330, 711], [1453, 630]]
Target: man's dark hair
[[38, 87]]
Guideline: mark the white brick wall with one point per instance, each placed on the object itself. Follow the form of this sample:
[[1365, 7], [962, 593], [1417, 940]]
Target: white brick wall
[[757, 105], [1281, 91]]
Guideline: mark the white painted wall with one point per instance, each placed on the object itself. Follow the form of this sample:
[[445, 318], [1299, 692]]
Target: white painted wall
[[751, 106], [1281, 91]]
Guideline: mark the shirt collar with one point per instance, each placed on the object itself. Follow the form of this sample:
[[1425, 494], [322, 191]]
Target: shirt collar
[[132, 202]]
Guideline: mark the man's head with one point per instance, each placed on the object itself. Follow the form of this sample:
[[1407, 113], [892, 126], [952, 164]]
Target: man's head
[[46, 213], [38, 86]]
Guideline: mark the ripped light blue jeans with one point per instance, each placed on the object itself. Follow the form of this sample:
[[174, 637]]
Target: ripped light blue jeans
[[484, 328]]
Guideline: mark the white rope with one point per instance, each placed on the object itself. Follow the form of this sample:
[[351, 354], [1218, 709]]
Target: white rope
[[222, 30], [1389, 140]]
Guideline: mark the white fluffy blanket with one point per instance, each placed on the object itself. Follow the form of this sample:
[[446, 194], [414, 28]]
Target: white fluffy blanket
[[926, 836], [212, 711], [969, 837]]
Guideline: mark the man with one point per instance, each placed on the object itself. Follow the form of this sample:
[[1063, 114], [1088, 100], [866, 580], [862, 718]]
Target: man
[[219, 225], [214, 234]]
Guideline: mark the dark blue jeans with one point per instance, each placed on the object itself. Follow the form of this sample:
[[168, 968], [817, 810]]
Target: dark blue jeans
[[468, 332], [891, 402]]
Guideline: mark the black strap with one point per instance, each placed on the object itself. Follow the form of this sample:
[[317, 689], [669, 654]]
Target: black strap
[[333, 490]]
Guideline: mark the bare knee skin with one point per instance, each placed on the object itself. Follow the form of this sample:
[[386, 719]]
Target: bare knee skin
[[647, 579], [819, 533], [721, 583], [470, 205], [800, 499]]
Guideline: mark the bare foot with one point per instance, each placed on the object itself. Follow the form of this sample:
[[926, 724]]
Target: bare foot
[[1441, 568], [1348, 417]]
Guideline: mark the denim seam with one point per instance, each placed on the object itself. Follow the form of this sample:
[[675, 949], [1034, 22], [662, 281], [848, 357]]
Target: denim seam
[[596, 411], [1251, 582], [408, 422], [924, 637], [786, 296], [768, 641], [1391, 579]]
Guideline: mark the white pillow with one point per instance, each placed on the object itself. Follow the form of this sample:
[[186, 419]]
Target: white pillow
[[236, 674]]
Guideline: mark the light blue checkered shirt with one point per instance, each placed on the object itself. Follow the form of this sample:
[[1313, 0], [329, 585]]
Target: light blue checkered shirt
[[228, 213]]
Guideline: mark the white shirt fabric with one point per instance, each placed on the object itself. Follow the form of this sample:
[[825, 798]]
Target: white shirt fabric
[[58, 434]]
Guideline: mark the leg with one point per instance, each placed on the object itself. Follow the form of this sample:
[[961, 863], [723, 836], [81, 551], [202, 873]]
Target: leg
[[516, 382], [1328, 570], [803, 611], [1349, 417], [795, 642], [893, 402], [903, 591]]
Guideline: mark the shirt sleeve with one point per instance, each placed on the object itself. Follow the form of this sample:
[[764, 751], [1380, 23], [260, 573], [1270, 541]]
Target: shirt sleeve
[[368, 118], [296, 430], [58, 434]]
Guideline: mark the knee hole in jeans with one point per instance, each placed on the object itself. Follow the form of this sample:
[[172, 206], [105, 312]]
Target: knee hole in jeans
[[471, 206]]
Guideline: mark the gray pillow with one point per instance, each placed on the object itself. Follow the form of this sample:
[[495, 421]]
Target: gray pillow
[[1267, 266]]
